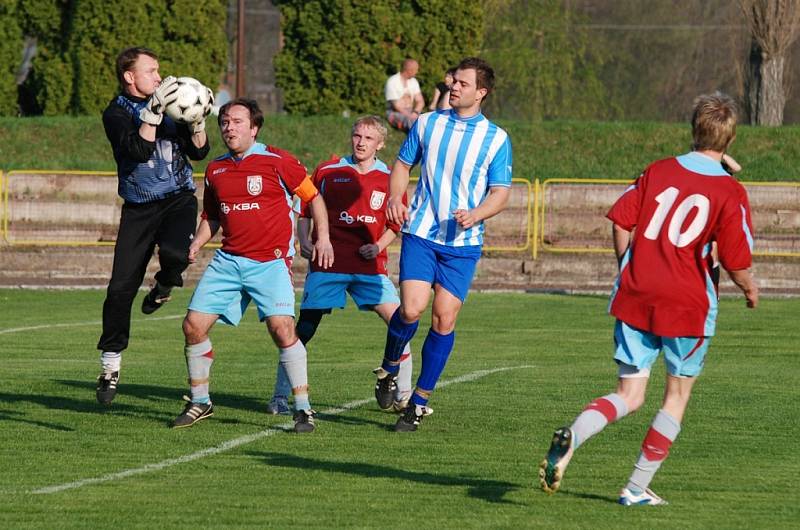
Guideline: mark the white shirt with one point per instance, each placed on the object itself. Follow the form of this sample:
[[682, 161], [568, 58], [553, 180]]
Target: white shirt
[[399, 89]]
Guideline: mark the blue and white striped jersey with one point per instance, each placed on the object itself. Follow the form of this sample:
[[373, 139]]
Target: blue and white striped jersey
[[460, 159]]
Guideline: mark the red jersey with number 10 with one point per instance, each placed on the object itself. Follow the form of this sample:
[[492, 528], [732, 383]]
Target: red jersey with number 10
[[356, 206], [251, 199], [675, 209]]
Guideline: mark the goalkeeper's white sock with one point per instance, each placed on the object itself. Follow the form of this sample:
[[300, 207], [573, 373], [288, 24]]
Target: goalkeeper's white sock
[[110, 361], [293, 360], [199, 358]]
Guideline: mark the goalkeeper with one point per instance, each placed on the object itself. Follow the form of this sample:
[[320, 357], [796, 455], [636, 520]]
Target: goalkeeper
[[152, 153]]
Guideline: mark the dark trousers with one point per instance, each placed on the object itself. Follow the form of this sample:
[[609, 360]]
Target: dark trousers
[[169, 223]]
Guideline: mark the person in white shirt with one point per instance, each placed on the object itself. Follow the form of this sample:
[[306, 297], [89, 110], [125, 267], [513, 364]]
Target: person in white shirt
[[404, 100]]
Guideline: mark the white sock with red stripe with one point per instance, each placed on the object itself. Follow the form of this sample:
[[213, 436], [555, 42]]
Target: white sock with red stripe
[[596, 416], [655, 448], [199, 358]]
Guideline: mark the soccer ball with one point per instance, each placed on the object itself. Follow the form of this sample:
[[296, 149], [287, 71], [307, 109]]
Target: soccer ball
[[193, 102]]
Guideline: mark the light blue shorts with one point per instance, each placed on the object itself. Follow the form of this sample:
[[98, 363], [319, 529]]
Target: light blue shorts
[[230, 282], [450, 267], [326, 290], [684, 356]]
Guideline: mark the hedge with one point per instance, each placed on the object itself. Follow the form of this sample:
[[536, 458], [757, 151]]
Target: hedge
[[338, 53]]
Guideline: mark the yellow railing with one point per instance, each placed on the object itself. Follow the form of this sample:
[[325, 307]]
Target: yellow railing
[[4, 191], [537, 208], [544, 204]]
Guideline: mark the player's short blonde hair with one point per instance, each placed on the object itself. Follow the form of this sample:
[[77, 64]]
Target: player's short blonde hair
[[372, 121], [713, 122]]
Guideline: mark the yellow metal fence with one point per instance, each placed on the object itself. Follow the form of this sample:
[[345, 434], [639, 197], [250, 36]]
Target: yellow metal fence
[[81, 208]]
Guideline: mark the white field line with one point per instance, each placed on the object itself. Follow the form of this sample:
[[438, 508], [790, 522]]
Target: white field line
[[243, 440], [76, 324]]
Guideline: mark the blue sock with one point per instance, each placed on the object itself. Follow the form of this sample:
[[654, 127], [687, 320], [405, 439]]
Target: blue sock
[[397, 336], [435, 352]]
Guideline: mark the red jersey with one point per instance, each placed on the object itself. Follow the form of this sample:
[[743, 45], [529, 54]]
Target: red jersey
[[356, 206], [251, 199], [677, 207]]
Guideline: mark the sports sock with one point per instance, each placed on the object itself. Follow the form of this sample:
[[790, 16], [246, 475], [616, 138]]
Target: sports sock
[[435, 352], [283, 388], [199, 358], [655, 448], [293, 360], [404, 374], [596, 416], [398, 335], [110, 361]]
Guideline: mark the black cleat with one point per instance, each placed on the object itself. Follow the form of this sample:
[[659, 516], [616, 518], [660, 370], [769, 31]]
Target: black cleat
[[107, 387], [409, 420], [192, 413], [385, 389], [304, 421], [158, 296], [551, 470]]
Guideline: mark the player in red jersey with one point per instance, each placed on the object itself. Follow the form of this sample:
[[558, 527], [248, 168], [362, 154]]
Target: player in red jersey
[[355, 190], [664, 227], [248, 193]]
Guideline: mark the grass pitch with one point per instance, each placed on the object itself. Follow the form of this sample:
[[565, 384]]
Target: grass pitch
[[522, 366]]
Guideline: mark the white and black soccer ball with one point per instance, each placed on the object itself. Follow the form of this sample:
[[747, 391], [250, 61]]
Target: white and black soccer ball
[[193, 103]]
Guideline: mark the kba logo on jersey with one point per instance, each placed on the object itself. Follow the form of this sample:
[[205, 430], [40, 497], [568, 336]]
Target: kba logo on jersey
[[253, 184], [376, 199]]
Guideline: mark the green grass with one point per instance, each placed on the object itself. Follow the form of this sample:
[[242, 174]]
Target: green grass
[[550, 149], [471, 465]]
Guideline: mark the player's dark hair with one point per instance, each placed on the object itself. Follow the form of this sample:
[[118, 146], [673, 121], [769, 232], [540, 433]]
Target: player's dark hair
[[713, 122], [484, 74], [127, 58], [256, 116]]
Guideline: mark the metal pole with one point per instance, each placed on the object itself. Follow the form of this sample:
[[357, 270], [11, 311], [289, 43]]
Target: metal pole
[[240, 51]]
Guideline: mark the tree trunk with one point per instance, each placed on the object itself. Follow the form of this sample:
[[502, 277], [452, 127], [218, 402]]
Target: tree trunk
[[766, 98], [771, 97]]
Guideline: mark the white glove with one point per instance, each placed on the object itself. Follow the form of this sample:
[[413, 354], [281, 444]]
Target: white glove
[[166, 93], [200, 125]]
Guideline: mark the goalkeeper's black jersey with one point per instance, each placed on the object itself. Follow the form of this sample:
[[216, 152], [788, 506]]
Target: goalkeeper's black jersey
[[149, 171]]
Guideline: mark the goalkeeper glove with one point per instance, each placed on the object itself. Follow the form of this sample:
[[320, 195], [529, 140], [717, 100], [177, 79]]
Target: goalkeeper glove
[[200, 125], [166, 93]]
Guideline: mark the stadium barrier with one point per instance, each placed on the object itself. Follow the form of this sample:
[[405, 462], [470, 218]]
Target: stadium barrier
[[82, 209], [572, 217]]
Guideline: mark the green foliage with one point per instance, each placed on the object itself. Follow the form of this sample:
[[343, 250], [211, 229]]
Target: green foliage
[[195, 43], [338, 53], [79, 40], [10, 56], [48, 88], [100, 31], [544, 65]]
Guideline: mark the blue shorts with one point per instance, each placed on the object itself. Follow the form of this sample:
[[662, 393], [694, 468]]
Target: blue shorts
[[326, 290], [450, 267], [230, 282], [684, 356]]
